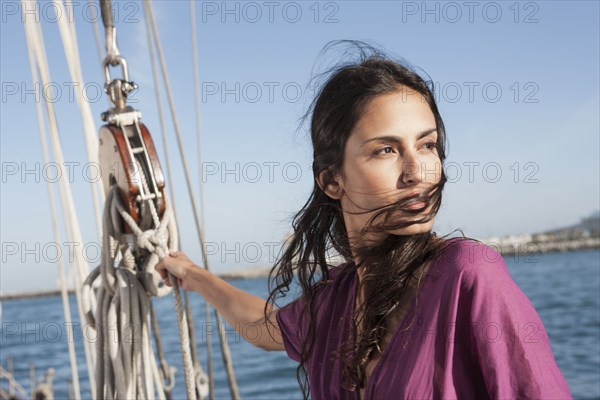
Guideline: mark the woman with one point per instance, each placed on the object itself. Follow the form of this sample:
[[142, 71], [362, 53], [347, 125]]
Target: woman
[[409, 315]]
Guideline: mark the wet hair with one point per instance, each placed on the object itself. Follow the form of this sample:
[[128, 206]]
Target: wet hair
[[319, 232]]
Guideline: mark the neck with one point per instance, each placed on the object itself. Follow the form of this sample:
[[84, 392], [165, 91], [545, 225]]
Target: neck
[[364, 243], [360, 241]]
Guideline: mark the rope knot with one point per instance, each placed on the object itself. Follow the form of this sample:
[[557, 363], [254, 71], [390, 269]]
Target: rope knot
[[147, 240]]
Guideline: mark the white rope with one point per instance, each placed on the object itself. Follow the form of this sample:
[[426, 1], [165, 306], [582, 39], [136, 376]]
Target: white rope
[[129, 367], [207, 306], [94, 24], [124, 294], [197, 104], [225, 352], [157, 379], [12, 382], [44, 389], [188, 367], [183, 319], [55, 232], [80, 267], [122, 317], [166, 371], [69, 39], [200, 376]]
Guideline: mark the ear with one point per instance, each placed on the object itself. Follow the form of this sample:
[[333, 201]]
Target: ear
[[330, 184]]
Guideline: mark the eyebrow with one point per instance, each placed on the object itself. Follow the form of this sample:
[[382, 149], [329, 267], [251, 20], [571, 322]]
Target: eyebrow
[[398, 139]]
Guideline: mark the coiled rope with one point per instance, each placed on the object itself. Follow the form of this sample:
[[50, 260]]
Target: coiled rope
[[126, 366]]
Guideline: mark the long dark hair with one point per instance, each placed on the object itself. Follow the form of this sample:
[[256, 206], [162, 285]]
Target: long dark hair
[[318, 228]]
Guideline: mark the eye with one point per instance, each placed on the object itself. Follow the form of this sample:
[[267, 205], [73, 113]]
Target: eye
[[431, 145], [384, 150]]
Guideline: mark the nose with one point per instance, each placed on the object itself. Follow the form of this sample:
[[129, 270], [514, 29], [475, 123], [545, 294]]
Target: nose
[[411, 169]]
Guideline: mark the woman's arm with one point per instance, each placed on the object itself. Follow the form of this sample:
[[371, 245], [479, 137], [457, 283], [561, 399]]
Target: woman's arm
[[243, 311]]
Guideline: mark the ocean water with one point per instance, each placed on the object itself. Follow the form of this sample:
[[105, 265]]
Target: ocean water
[[563, 287]]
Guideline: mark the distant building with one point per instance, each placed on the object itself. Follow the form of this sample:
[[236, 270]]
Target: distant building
[[585, 234]]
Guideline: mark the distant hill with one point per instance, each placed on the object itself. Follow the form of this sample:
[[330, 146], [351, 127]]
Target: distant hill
[[588, 227], [583, 235]]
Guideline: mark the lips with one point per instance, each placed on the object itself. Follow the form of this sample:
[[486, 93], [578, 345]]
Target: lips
[[415, 204]]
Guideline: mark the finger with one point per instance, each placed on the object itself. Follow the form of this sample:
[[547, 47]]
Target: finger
[[161, 268], [163, 275]]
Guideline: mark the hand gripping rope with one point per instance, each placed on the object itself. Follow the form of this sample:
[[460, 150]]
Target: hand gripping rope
[[139, 229]]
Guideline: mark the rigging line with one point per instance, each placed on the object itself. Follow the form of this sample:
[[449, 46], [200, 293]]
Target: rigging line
[[197, 102], [96, 33], [13, 385], [167, 371], [75, 231], [188, 365], [31, 365], [160, 390], [161, 117], [129, 368], [182, 322], [207, 306], [171, 189], [55, 232], [195, 362], [185, 324], [148, 8], [69, 40], [160, 242], [34, 39], [222, 335], [70, 46], [190, 381], [98, 42]]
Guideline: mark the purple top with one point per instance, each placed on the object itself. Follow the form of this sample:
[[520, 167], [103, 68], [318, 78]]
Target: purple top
[[475, 336]]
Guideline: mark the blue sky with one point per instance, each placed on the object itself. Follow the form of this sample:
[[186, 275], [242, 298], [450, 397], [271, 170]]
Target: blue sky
[[518, 88]]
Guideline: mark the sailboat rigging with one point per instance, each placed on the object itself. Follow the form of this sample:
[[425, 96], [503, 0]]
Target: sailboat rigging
[[138, 228]]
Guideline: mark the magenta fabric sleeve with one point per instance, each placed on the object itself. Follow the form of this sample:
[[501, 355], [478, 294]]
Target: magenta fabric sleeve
[[287, 318]]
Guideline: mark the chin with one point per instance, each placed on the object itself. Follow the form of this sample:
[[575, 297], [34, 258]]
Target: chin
[[413, 229]]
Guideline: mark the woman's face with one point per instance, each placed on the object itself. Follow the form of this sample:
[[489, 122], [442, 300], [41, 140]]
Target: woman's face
[[389, 155]]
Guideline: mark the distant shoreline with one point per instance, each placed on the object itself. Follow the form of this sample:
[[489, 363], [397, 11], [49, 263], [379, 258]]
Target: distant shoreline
[[529, 248], [263, 272], [248, 273]]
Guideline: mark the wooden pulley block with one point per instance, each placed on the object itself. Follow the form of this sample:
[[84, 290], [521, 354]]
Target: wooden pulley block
[[124, 152]]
